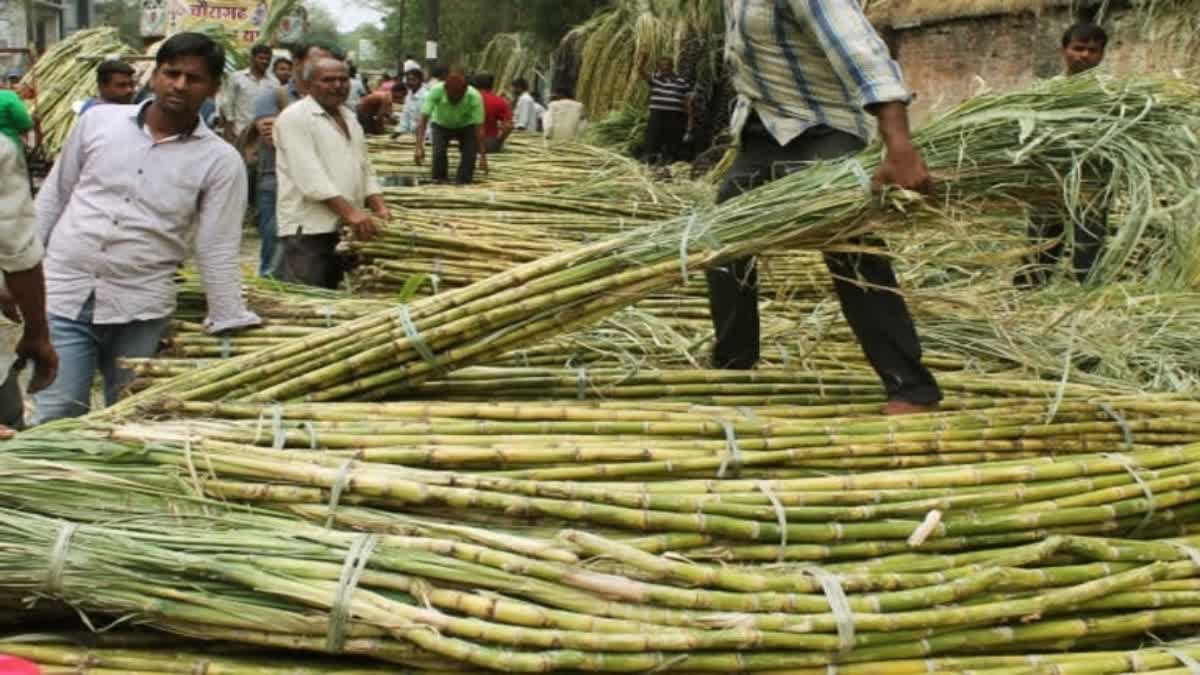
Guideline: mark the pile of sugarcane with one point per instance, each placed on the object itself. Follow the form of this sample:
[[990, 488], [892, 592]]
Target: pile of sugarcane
[[998, 152], [625, 536], [66, 75]]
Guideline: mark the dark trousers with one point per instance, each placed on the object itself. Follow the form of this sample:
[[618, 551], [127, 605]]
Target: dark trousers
[[877, 313], [312, 260], [493, 144], [370, 123], [12, 402], [468, 146], [1047, 232], [664, 136]]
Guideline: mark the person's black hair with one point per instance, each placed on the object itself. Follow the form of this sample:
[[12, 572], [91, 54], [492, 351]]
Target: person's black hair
[[107, 69], [562, 92], [260, 49], [193, 44], [485, 81], [282, 59], [440, 71], [521, 82], [1085, 31], [353, 69]]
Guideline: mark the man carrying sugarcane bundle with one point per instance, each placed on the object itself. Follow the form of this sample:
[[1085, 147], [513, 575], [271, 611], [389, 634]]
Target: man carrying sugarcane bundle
[[814, 81], [1083, 46]]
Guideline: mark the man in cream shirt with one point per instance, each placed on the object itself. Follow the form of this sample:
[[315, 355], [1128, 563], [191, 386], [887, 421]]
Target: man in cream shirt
[[325, 179]]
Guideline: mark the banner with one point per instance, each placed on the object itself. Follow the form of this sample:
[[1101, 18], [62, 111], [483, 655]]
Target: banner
[[242, 18]]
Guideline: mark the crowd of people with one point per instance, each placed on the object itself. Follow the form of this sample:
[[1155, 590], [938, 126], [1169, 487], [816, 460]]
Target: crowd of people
[[148, 179]]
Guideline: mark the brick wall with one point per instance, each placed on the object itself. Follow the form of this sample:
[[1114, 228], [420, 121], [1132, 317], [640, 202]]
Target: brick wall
[[945, 63]]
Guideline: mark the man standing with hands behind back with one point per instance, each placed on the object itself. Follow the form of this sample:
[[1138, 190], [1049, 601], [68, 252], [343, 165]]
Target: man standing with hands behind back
[[814, 80], [325, 178]]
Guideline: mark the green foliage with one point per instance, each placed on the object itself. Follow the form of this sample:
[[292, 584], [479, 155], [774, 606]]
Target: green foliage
[[125, 16]]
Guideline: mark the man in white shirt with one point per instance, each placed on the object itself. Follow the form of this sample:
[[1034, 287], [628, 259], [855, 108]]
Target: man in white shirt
[[236, 103], [324, 177], [526, 114], [134, 188], [411, 113], [23, 297], [565, 119]]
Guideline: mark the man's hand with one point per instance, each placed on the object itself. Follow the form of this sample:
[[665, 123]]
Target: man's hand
[[419, 154], [903, 168], [266, 130], [362, 225], [45, 361]]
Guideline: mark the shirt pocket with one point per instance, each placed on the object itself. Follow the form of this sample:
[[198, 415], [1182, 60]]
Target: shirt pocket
[[170, 197]]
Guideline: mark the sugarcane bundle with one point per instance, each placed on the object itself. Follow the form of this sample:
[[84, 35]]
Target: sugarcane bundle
[[62, 78], [1020, 575], [991, 152], [508, 56]]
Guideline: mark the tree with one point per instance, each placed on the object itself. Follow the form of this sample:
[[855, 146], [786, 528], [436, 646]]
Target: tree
[[125, 16], [321, 27]]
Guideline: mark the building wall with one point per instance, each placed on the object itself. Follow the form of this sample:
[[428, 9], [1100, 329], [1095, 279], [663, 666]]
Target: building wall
[[947, 62]]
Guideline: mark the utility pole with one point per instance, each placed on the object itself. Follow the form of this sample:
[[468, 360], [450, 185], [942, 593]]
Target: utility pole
[[400, 46], [432, 10]]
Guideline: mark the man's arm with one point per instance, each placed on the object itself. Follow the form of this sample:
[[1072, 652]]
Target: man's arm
[[644, 68], [506, 123], [419, 151], [227, 103], [218, 245], [56, 192], [862, 61], [902, 165], [28, 291]]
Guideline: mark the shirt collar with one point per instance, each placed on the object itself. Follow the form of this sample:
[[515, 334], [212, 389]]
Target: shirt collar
[[195, 131]]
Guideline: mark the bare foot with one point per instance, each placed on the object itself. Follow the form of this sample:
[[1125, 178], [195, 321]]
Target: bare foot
[[898, 407]]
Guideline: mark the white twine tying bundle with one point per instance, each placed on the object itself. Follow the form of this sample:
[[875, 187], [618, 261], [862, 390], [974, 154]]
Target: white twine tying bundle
[[352, 568], [839, 605], [58, 558], [340, 481], [780, 517], [733, 454], [414, 336]]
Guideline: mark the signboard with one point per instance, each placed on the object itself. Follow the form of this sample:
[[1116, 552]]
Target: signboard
[[244, 19]]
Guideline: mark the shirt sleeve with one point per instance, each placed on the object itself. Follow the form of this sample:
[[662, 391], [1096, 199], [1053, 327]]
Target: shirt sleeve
[[430, 102], [56, 191], [855, 50], [19, 115], [477, 112], [296, 156], [20, 247], [227, 96], [218, 244]]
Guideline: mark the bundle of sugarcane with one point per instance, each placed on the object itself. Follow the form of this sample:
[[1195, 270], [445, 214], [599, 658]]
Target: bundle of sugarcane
[[1022, 575], [508, 56], [154, 653], [622, 130], [759, 432], [990, 152], [63, 76]]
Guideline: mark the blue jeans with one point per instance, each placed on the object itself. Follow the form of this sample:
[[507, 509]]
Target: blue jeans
[[269, 252], [83, 347]]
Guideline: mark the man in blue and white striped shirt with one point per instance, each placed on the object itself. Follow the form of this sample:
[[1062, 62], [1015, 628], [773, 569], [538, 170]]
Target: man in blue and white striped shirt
[[815, 82]]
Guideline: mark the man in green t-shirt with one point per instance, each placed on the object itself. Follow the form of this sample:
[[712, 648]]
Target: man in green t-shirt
[[454, 110]]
